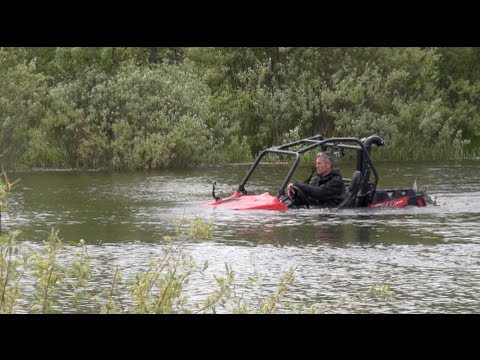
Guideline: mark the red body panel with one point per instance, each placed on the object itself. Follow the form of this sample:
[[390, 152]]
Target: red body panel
[[266, 201], [238, 201]]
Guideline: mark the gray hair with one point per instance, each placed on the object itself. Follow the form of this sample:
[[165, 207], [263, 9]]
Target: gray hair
[[328, 157]]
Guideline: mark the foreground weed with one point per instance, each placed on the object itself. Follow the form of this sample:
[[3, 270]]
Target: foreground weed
[[12, 269], [79, 273], [48, 273], [221, 295], [113, 303]]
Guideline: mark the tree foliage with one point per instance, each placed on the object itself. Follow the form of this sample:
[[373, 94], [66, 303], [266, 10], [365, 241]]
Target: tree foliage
[[146, 108]]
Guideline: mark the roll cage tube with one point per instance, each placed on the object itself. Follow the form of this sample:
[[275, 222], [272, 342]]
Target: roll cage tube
[[241, 187], [364, 162], [311, 142]]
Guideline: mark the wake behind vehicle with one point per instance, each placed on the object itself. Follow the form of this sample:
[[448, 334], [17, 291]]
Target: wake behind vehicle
[[361, 187]]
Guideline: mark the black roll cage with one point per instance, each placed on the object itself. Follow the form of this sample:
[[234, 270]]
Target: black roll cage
[[362, 146]]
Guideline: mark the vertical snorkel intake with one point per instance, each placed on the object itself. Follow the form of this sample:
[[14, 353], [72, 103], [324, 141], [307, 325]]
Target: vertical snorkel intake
[[372, 139], [367, 144], [365, 166]]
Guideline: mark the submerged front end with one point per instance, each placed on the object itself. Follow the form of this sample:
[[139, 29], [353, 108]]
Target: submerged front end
[[240, 201]]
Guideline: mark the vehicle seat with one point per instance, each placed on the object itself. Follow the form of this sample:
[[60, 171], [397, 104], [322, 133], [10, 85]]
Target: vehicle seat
[[352, 192]]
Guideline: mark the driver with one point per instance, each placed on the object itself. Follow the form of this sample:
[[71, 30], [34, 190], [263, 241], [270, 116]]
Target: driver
[[327, 189]]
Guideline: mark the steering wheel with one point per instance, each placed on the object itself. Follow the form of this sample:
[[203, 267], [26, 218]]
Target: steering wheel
[[299, 194]]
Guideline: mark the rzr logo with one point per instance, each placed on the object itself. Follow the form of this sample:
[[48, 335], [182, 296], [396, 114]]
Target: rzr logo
[[392, 203]]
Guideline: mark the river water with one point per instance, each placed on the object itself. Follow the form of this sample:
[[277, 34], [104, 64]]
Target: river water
[[429, 258]]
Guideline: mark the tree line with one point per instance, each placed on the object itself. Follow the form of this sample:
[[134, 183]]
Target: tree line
[[150, 108]]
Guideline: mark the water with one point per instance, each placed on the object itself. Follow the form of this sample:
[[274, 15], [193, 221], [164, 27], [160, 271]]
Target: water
[[429, 257]]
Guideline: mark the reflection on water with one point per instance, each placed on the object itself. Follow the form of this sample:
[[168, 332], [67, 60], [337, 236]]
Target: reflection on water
[[429, 256]]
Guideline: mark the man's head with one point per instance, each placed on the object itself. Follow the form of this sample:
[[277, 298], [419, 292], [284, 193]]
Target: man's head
[[324, 163]]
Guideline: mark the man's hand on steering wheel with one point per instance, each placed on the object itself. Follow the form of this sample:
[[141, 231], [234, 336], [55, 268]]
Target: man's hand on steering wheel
[[290, 192]]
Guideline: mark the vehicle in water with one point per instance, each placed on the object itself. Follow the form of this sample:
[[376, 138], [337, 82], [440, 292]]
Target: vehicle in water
[[361, 188]]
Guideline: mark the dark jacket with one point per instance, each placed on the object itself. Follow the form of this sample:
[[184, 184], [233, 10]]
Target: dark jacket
[[326, 191]]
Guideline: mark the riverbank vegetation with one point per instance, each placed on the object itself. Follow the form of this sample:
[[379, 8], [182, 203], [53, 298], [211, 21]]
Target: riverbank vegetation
[[152, 108]]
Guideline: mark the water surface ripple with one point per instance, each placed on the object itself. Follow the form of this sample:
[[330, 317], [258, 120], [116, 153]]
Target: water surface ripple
[[429, 257]]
